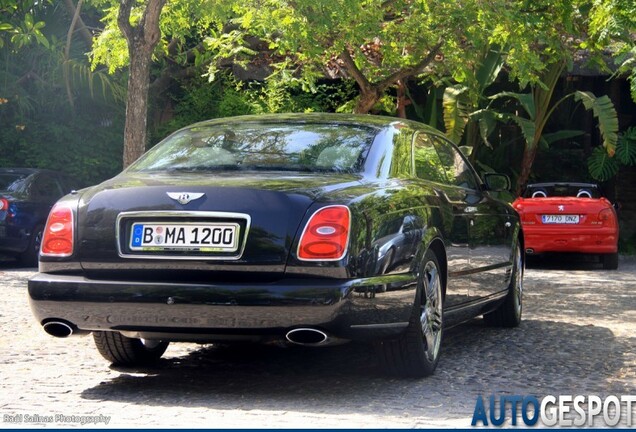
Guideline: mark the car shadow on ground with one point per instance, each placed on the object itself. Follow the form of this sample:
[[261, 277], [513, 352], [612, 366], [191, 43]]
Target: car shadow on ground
[[539, 357], [564, 261]]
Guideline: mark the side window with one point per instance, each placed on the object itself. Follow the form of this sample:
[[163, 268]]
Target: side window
[[428, 165], [460, 173], [401, 158]]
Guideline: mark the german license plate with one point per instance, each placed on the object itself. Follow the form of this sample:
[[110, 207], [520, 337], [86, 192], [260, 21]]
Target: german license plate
[[560, 219], [202, 237]]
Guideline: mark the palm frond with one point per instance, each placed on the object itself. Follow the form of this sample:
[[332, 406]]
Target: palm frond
[[525, 99], [489, 68], [456, 111], [605, 113], [486, 120], [82, 75], [553, 137], [527, 127]]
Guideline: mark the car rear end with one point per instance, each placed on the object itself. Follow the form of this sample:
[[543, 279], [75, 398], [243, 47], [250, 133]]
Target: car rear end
[[568, 224], [234, 253], [15, 219]]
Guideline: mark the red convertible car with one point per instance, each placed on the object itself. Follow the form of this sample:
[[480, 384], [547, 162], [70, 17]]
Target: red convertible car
[[569, 217]]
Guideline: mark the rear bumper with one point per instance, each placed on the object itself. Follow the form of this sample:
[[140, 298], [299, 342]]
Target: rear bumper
[[541, 240], [360, 309]]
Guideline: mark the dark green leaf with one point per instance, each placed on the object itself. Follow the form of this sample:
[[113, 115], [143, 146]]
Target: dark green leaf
[[601, 166]]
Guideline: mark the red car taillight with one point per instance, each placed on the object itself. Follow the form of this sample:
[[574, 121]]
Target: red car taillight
[[326, 235], [4, 204], [58, 234], [606, 217], [525, 217]]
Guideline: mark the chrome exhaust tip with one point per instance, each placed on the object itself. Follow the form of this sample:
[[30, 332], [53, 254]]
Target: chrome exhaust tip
[[529, 251], [58, 329], [307, 337]]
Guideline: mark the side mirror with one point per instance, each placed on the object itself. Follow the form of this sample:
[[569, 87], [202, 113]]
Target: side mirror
[[497, 182]]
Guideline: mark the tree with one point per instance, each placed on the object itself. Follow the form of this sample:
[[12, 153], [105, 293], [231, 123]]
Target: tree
[[40, 83], [612, 25], [138, 35], [142, 38], [547, 37], [381, 44]]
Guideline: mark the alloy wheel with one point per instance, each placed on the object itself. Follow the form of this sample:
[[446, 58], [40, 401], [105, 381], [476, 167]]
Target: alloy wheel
[[431, 310]]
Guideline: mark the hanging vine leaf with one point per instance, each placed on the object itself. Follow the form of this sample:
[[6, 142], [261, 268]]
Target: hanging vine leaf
[[601, 166]]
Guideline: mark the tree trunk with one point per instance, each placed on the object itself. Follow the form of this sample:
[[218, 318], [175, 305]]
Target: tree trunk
[[366, 102], [141, 41], [135, 130], [526, 167], [401, 100]]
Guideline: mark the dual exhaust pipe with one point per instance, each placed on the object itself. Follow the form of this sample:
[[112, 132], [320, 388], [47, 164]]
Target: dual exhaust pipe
[[299, 336]]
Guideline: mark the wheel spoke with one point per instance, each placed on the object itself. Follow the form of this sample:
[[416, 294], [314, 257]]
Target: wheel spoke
[[431, 310]]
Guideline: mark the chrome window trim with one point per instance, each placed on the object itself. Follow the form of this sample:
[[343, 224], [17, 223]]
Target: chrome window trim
[[181, 214]]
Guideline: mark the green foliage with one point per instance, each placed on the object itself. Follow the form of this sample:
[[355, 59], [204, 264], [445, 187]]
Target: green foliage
[[457, 109], [612, 25], [54, 111], [601, 165], [87, 145], [626, 148], [198, 100], [604, 111], [20, 25]]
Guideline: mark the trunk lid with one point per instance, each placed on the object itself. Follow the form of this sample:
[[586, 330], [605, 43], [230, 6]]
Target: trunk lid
[[266, 208], [570, 211]]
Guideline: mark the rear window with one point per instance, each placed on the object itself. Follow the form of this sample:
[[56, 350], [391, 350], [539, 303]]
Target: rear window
[[13, 182], [262, 146], [562, 190]]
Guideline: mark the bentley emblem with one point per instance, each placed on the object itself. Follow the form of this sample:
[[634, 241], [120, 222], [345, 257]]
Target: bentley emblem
[[185, 197], [561, 208]]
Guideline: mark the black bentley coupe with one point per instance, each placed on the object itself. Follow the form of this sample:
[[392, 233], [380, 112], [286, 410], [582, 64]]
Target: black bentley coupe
[[281, 228]]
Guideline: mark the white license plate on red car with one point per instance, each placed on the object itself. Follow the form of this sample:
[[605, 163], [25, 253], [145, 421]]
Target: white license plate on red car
[[203, 237], [560, 219]]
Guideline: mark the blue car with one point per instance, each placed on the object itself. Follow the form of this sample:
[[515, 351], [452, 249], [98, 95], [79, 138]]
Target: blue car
[[26, 197]]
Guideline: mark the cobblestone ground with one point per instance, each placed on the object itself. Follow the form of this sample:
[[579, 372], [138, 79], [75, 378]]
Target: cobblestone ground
[[577, 337]]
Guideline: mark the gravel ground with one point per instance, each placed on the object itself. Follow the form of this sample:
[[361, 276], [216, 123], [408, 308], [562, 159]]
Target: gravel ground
[[577, 337]]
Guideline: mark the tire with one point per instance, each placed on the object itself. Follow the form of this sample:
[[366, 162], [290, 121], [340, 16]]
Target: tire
[[610, 261], [124, 351], [416, 352], [508, 313], [29, 257]]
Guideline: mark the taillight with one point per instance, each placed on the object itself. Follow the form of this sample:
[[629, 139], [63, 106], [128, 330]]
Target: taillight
[[58, 234], [606, 217], [326, 235], [4, 204], [526, 218]]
